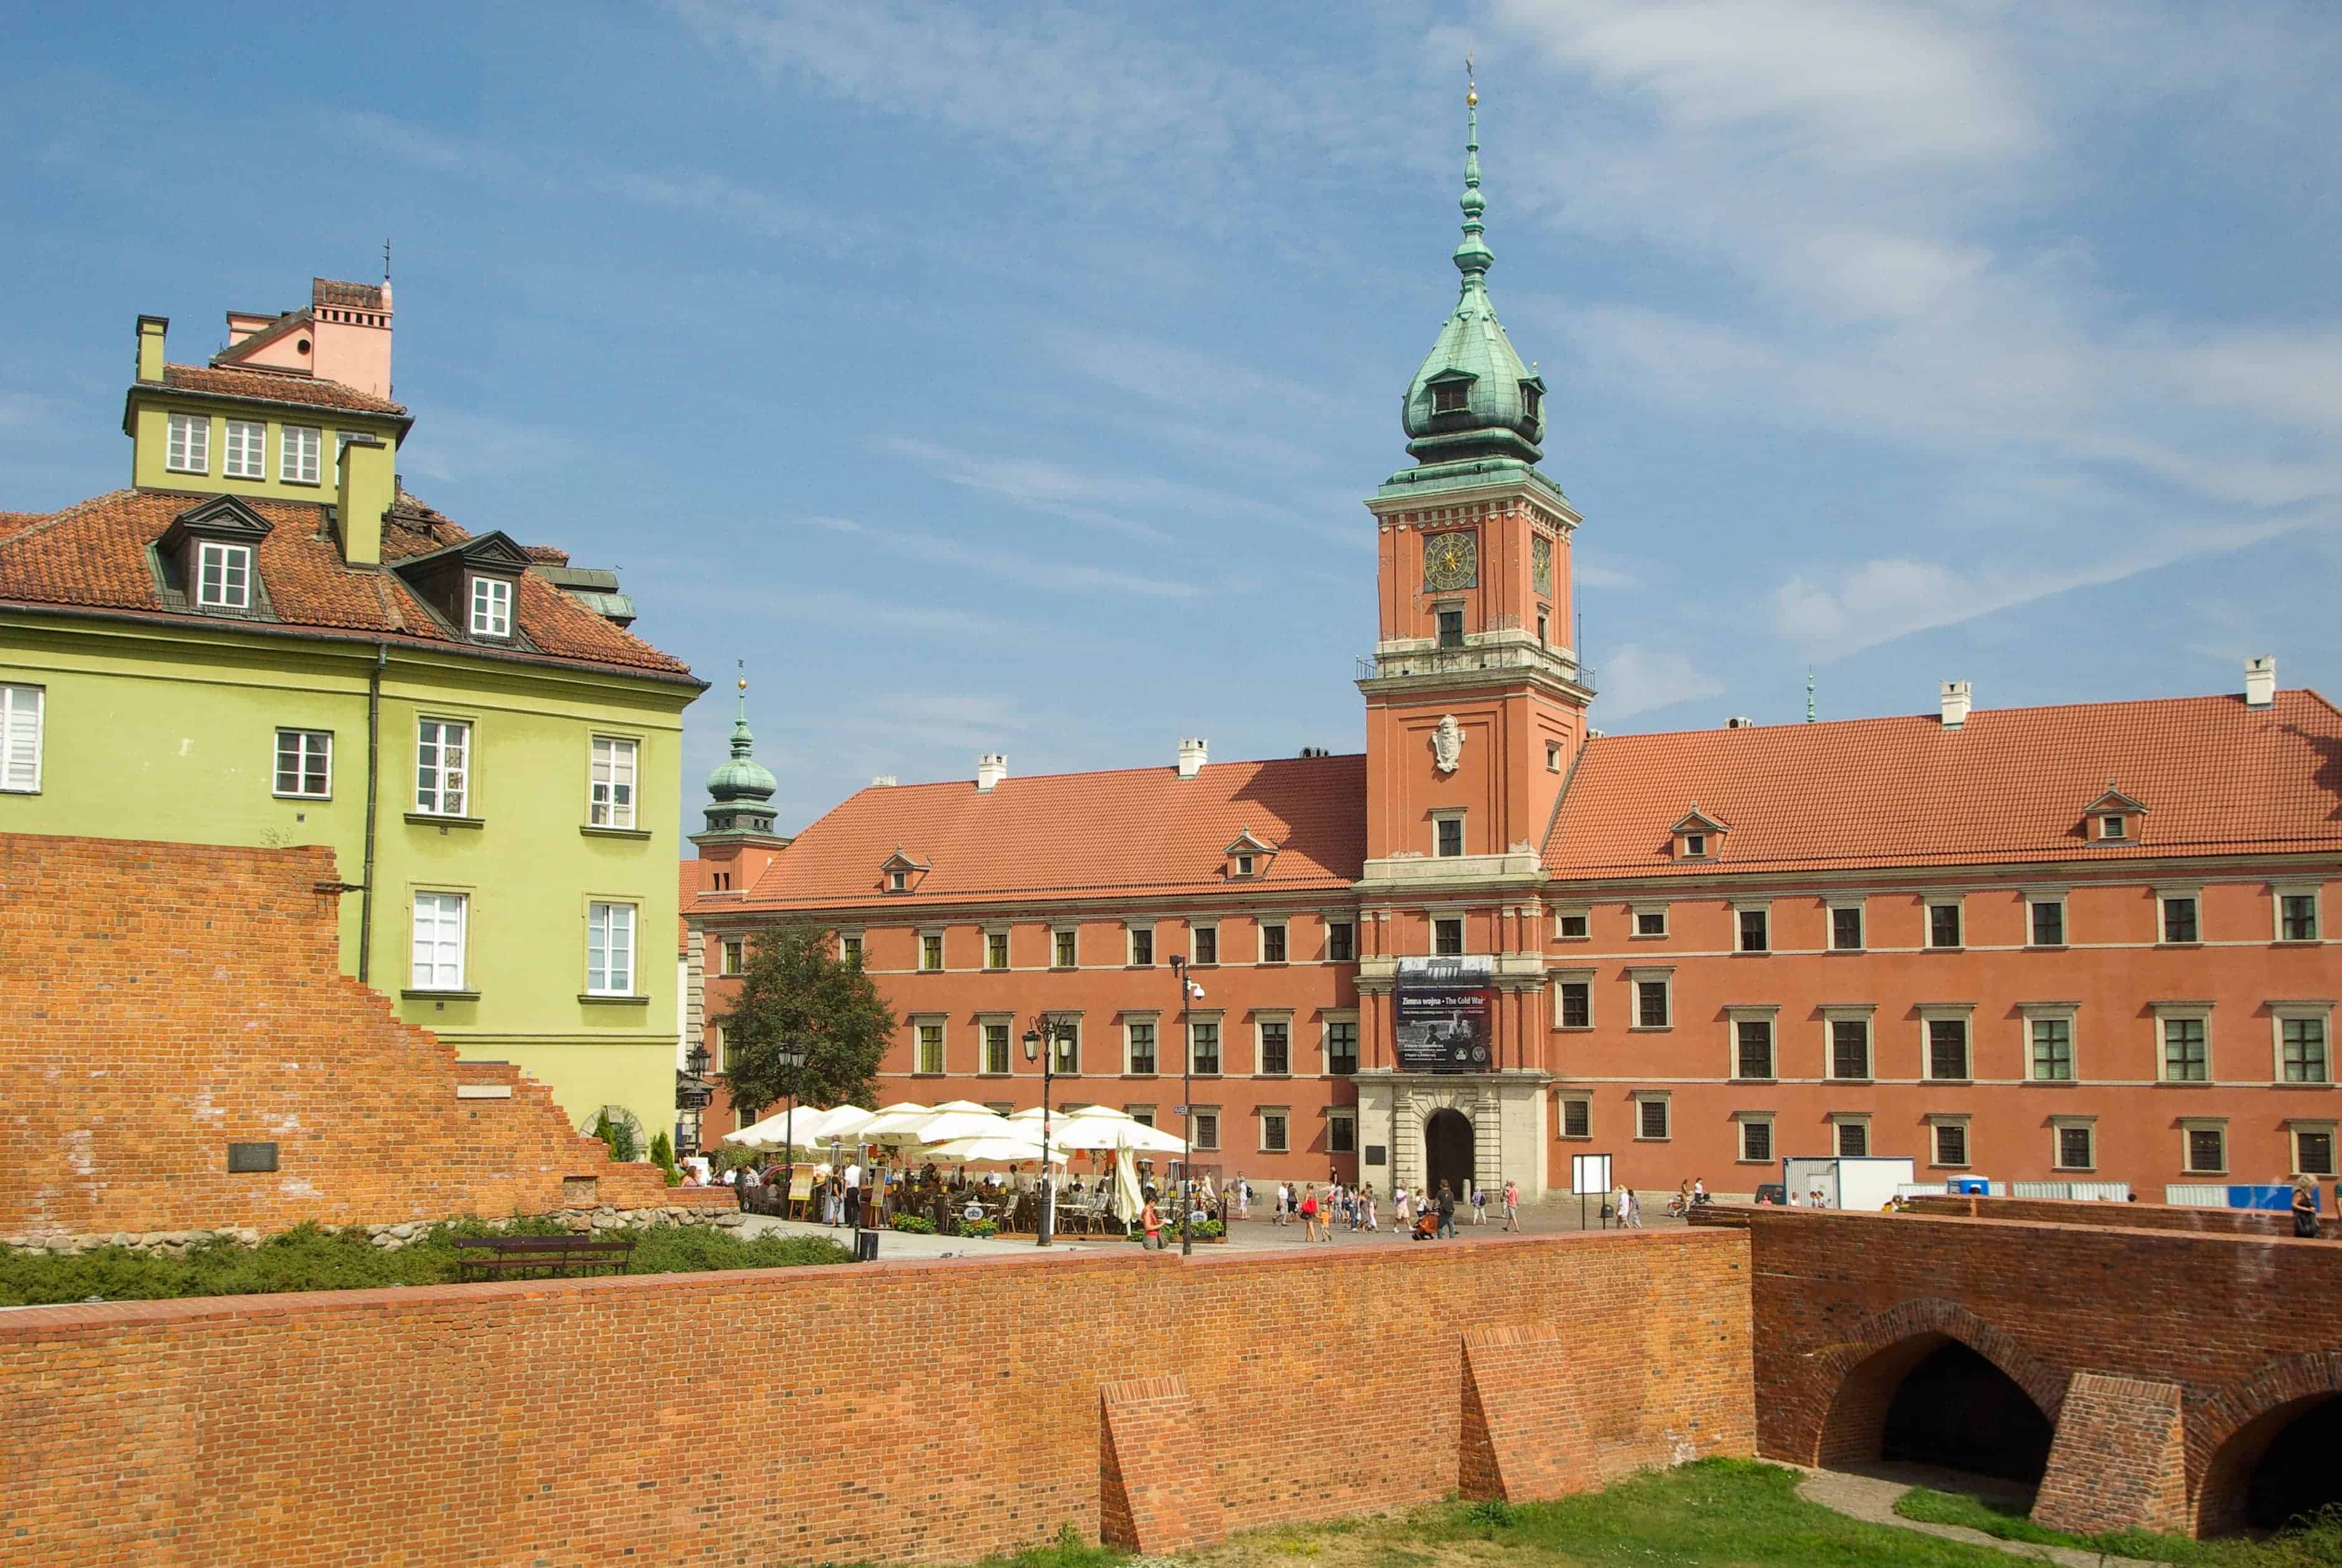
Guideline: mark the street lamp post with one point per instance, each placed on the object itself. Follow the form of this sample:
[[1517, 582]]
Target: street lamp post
[[692, 1094], [1041, 1040], [793, 1060], [1187, 1110]]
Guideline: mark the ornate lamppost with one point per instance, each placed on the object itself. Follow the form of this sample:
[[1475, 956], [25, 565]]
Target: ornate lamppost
[[1187, 990], [692, 1094], [1041, 1040]]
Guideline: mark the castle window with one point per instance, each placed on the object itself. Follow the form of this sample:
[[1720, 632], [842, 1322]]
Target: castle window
[[1244, 865], [1341, 941], [1448, 938], [491, 607], [223, 576], [896, 881], [20, 739], [1451, 628], [1447, 832], [1532, 401], [1450, 396]]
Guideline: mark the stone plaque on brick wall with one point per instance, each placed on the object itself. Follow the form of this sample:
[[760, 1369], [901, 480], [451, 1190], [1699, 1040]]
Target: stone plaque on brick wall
[[251, 1157]]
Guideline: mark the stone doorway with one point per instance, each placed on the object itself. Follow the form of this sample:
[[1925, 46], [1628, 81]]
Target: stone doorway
[[1448, 1153]]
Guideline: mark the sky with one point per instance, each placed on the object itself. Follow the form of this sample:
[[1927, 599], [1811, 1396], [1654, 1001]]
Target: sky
[[1010, 377]]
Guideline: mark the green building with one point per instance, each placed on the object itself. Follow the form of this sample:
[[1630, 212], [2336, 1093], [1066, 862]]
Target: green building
[[267, 640]]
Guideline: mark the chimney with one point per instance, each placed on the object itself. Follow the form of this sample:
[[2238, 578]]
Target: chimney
[[1956, 704], [2261, 680], [151, 329], [1191, 757], [990, 769], [882, 781], [1739, 722], [367, 485]]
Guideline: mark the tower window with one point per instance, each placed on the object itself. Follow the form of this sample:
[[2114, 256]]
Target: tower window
[[1451, 628], [1532, 401], [1450, 396], [1448, 840]]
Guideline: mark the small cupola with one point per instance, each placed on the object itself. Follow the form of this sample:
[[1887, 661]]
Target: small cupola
[[475, 586], [209, 559], [1698, 835], [899, 873], [1247, 857], [2113, 818]]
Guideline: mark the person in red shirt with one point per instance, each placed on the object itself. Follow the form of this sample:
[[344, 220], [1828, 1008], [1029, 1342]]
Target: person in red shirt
[[1309, 1213], [1150, 1219]]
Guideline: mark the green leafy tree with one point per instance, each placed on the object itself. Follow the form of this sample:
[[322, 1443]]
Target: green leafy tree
[[797, 988]]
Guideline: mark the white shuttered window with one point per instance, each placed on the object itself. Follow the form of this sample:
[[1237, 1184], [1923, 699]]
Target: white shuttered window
[[190, 448], [610, 949], [439, 941], [613, 801], [442, 767], [247, 444], [20, 739], [298, 465]]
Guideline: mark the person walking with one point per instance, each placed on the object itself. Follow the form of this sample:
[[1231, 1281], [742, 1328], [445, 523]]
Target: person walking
[[1480, 1204], [1309, 1213], [1512, 1205], [851, 1179], [1447, 1212], [2304, 1207], [1402, 1211], [1630, 1212], [1369, 1203], [1150, 1220]]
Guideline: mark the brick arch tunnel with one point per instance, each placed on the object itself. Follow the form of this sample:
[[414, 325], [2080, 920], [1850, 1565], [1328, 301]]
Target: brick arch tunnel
[[2277, 1461], [1933, 1398]]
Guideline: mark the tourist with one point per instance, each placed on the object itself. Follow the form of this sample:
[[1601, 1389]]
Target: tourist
[[1402, 1211], [1699, 1191], [1480, 1204], [1368, 1203], [1630, 1212], [1447, 1212], [2304, 1207], [1150, 1220], [850, 1185], [1309, 1213], [1512, 1205], [833, 1197]]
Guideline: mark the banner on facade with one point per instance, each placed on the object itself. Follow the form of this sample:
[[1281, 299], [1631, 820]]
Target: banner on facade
[[1447, 1010]]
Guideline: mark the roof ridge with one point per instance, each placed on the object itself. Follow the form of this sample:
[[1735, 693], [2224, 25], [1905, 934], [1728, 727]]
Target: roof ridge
[[1974, 714], [1103, 773], [52, 519]]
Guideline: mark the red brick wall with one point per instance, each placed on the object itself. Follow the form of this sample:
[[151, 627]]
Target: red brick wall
[[163, 1000], [1843, 1301], [898, 1412], [2128, 1216]]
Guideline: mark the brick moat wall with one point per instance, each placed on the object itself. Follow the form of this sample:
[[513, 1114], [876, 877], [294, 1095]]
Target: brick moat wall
[[159, 1002], [916, 1412]]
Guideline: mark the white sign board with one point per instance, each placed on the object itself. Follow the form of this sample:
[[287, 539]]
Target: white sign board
[[1589, 1175]]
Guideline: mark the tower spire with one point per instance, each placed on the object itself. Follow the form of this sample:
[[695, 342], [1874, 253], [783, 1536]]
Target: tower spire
[[1473, 258]]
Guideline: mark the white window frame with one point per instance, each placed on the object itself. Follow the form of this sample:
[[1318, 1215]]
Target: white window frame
[[187, 445], [1733, 1017], [1204, 1127], [1839, 1121], [449, 908], [2061, 1126], [1330, 923], [1866, 1014], [1635, 923], [1059, 934], [1566, 911], [726, 947], [1327, 1024], [718, 1058], [1745, 1120], [605, 927], [2065, 918], [491, 605], [1935, 1124], [1341, 1117], [920, 1023], [1635, 980], [1439, 818], [1195, 930], [2283, 1013], [849, 947], [985, 1022], [2114, 828], [2310, 890], [1284, 1115], [2191, 1125], [1561, 977], [1260, 1027], [235, 562], [1007, 949], [609, 796], [1932, 1013], [1861, 925], [1284, 930], [1695, 844], [1219, 1068], [1553, 756], [1131, 934], [1131, 1022], [943, 955], [297, 450], [2166, 1012], [1462, 935], [244, 454], [1959, 916], [2294, 1128], [438, 798], [2166, 896], [1561, 1104], [1760, 907], [303, 751], [2065, 1012], [1664, 1100], [22, 709]]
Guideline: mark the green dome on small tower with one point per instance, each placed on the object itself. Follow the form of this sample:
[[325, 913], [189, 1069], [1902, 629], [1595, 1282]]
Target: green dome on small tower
[[1474, 397], [741, 789]]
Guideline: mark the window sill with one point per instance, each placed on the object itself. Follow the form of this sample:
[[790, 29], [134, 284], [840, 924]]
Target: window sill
[[413, 995], [606, 999], [1932, 947], [1640, 1139], [2183, 1083], [2045, 947], [1272, 964], [2294, 941], [1846, 952], [1744, 1078], [1136, 965], [2052, 1083], [1769, 1163], [2290, 1083], [1651, 1028], [302, 799], [2178, 945], [2075, 1169], [1863, 1082], [1573, 1029], [1754, 953], [1950, 1083], [2219, 1173], [427, 819], [1584, 1138], [1932, 1165], [643, 833], [305, 483], [1649, 936]]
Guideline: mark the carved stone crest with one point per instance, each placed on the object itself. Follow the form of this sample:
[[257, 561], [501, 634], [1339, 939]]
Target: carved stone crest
[[1446, 743], [1540, 562]]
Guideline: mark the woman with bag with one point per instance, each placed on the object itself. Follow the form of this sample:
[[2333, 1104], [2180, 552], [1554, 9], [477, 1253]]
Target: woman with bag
[[1150, 1220], [2305, 1207]]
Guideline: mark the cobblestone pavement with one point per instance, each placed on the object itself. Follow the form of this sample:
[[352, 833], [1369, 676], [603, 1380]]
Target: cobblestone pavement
[[1870, 1495]]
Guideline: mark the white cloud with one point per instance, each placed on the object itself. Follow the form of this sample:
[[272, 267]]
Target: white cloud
[[1635, 679], [1026, 571]]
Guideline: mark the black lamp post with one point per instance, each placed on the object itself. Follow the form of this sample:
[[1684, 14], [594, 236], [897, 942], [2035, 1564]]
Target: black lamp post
[[692, 1094], [1041, 1041], [1187, 1109], [792, 1056]]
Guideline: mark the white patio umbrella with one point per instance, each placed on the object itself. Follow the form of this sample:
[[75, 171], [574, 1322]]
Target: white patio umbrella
[[969, 1106], [897, 1124], [997, 1150], [839, 1122], [1087, 1132], [957, 1126], [1128, 1198], [773, 1132]]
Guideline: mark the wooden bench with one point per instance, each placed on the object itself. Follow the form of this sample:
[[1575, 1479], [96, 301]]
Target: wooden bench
[[541, 1257]]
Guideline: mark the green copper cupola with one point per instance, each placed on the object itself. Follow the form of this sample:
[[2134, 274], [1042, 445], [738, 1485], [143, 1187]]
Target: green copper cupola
[[1473, 398], [741, 791]]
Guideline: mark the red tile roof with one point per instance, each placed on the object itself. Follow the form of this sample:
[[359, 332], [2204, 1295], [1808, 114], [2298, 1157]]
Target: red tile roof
[[1137, 831], [2013, 785], [275, 386], [94, 555]]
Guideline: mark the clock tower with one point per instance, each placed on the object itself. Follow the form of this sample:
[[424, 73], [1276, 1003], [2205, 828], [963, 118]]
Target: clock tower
[[1476, 708]]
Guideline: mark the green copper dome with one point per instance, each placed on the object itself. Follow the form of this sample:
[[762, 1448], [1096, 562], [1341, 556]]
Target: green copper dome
[[1474, 397], [741, 789]]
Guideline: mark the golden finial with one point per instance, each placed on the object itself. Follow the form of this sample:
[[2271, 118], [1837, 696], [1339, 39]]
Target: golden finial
[[1471, 84]]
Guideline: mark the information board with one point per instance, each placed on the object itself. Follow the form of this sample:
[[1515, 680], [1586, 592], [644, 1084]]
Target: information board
[[1589, 1175], [1446, 1011]]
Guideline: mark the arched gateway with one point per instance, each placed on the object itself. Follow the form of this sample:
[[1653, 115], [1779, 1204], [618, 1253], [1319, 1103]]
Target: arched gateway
[[1447, 1150]]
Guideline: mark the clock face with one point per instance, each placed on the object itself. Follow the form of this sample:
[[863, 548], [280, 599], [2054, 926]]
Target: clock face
[[1541, 564], [1452, 560]]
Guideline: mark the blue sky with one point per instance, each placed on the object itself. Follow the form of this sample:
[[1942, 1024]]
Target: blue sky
[[1009, 377]]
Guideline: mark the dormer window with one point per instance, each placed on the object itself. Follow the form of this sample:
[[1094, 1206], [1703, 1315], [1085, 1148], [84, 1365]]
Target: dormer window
[[1248, 858], [1244, 865], [1532, 402], [1698, 835], [491, 607], [899, 873], [898, 881], [2113, 826], [2114, 818], [223, 576], [1695, 845], [1450, 396]]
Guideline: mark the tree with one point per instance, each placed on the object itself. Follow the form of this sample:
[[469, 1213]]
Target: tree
[[796, 988]]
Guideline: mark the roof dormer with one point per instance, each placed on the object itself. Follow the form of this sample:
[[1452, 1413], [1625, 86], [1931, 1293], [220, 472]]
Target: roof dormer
[[208, 559], [2113, 818], [1698, 835], [899, 873], [475, 585], [1247, 857]]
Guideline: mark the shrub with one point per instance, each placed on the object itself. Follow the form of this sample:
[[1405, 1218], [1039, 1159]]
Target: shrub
[[977, 1230], [663, 1156], [1495, 1513], [914, 1224]]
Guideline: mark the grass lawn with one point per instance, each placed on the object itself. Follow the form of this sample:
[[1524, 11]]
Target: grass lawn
[[307, 1258], [2317, 1541], [1718, 1514]]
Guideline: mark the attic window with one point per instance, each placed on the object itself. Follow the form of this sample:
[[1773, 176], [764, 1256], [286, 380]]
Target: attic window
[[898, 881], [491, 607], [1695, 845], [1450, 396], [1244, 865], [2114, 826], [1532, 401], [223, 576]]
